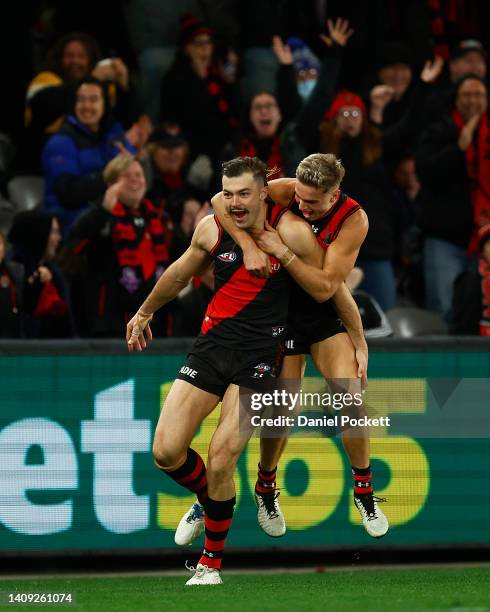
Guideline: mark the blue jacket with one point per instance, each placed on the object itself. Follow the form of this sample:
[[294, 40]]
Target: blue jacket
[[73, 160]]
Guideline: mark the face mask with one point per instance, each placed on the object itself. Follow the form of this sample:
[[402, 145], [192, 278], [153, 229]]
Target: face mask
[[306, 87]]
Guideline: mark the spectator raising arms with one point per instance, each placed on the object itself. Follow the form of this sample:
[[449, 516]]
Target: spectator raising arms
[[275, 123], [367, 153], [73, 159]]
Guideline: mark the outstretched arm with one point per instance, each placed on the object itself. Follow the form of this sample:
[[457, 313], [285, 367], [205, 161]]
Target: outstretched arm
[[339, 259], [193, 262]]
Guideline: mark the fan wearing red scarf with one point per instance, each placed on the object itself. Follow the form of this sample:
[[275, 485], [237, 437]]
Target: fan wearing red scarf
[[471, 119], [139, 237]]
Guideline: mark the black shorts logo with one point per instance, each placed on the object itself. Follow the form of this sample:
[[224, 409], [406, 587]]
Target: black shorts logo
[[277, 331], [261, 369], [187, 371]]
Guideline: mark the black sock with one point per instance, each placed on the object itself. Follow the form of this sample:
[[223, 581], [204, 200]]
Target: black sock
[[362, 480], [192, 475], [266, 480]]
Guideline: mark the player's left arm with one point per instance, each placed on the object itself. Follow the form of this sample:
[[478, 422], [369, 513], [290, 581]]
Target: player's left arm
[[339, 259], [348, 312]]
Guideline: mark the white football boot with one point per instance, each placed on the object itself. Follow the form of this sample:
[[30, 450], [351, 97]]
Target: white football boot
[[374, 521], [203, 575], [191, 525], [269, 514]]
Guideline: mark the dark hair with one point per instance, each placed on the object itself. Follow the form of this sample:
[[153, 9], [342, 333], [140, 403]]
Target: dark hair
[[54, 60], [249, 128], [467, 77], [90, 80], [241, 165]]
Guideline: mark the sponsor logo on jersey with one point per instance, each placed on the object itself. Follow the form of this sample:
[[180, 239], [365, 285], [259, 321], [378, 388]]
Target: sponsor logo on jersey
[[227, 257], [261, 369], [277, 331]]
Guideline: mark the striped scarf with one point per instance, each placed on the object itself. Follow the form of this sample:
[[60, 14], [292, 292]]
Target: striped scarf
[[140, 239], [478, 168]]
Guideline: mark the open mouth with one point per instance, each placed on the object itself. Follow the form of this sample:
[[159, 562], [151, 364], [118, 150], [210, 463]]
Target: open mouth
[[265, 123], [239, 213]]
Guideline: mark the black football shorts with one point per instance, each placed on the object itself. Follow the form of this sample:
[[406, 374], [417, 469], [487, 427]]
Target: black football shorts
[[213, 368], [303, 332]]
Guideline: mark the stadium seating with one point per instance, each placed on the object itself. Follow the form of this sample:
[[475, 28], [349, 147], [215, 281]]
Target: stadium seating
[[26, 192], [411, 322]]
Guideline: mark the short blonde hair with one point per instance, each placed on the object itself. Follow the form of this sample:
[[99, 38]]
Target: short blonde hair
[[321, 171], [116, 167]]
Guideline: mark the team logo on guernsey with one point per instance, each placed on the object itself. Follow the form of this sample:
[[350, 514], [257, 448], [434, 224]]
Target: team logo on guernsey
[[277, 331], [227, 257]]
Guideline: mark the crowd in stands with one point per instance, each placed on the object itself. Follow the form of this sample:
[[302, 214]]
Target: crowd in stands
[[128, 116]]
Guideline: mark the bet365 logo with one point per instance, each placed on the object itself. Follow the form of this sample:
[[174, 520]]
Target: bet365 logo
[[111, 437]]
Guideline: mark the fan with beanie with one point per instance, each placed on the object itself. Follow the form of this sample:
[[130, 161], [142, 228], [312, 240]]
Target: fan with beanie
[[306, 66]]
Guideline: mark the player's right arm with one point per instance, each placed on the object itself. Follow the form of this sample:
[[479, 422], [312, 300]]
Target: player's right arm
[[192, 263], [255, 261]]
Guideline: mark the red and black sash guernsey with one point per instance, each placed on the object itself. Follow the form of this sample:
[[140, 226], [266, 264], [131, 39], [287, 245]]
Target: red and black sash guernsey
[[246, 313], [326, 230]]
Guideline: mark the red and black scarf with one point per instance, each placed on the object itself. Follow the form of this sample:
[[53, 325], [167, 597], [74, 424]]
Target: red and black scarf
[[451, 20], [215, 90], [275, 160], [478, 168], [139, 238]]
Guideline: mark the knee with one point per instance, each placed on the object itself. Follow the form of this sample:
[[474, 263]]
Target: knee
[[221, 464], [167, 456]]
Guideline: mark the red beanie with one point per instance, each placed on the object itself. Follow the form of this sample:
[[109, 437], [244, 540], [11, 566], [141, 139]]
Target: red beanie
[[190, 27], [345, 98]]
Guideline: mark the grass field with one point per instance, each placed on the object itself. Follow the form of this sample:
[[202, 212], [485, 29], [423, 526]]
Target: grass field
[[414, 589]]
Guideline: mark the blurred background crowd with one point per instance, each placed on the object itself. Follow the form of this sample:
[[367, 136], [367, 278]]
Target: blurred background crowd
[[118, 115]]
